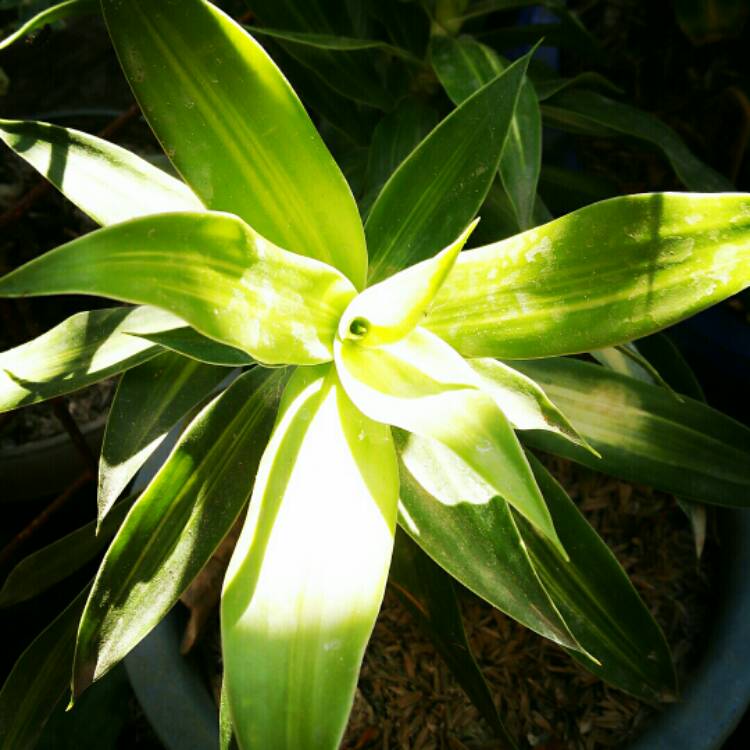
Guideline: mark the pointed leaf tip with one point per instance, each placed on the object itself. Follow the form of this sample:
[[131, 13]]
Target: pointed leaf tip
[[388, 311]]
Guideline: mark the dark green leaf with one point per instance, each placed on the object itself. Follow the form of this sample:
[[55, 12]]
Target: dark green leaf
[[150, 399], [55, 562], [438, 188], [393, 139], [189, 343], [177, 523], [347, 67], [599, 115], [58, 12], [39, 679], [463, 67], [426, 590], [598, 602], [469, 531], [643, 434]]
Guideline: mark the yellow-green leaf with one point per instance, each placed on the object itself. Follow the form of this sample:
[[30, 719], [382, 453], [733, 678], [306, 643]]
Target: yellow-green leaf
[[108, 183], [84, 349], [602, 275], [422, 385], [212, 270], [307, 576], [234, 128], [387, 311]]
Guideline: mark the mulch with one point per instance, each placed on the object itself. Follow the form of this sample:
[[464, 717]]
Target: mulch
[[407, 698]]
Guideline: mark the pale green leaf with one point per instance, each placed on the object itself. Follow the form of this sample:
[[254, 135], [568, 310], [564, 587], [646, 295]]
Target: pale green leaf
[[226, 735], [464, 66], [306, 579], [462, 524], [176, 524], [235, 129], [387, 311], [212, 270], [438, 188], [600, 276], [58, 12], [38, 680], [148, 402], [84, 349], [422, 385], [643, 434], [521, 400], [107, 182]]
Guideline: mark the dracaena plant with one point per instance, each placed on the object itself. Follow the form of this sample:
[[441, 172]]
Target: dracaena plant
[[348, 378]]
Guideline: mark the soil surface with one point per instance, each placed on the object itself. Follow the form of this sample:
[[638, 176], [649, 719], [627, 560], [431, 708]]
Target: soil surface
[[407, 698]]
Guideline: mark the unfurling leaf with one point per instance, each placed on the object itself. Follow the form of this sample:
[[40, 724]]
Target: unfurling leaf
[[422, 385]]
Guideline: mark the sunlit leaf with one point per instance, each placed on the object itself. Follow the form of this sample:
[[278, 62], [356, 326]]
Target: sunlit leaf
[[461, 523], [149, 400], [212, 270], [307, 576], [177, 523], [84, 349], [387, 311], [464, 66], [422, 385], [522, 401], [107, 182], [39, 680], [603, 275], [438, 188], [643, 434], [235, 129]]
